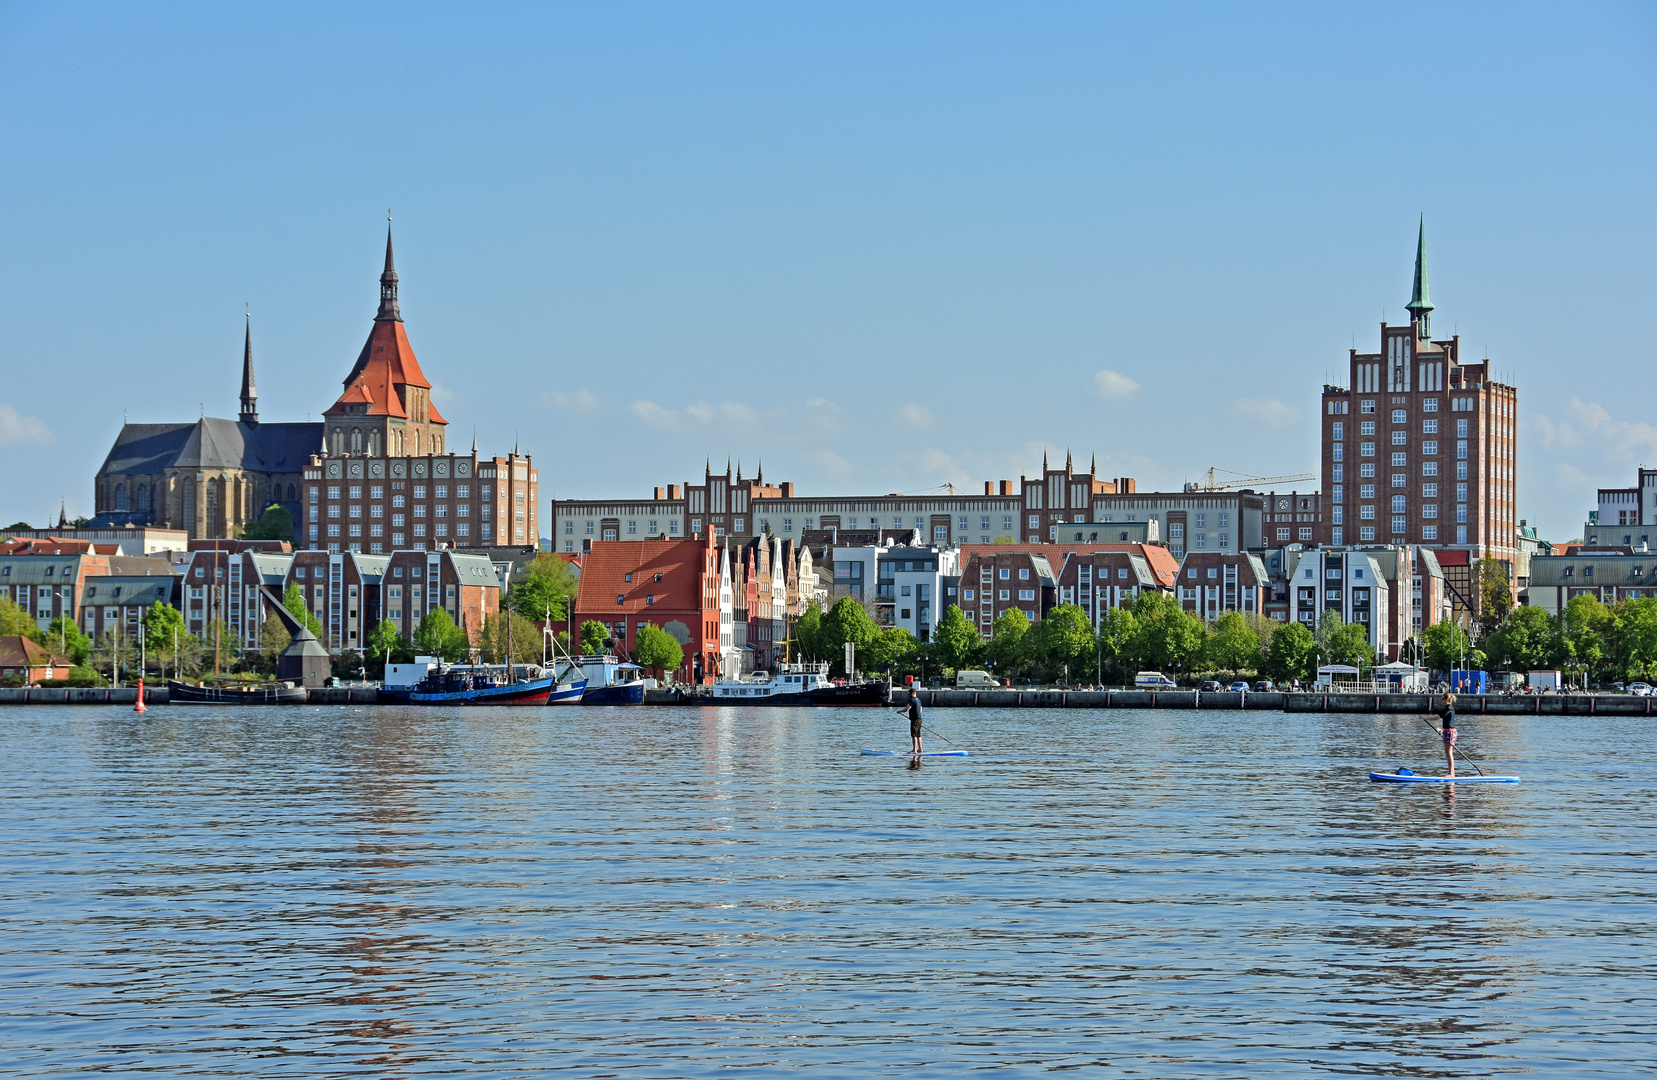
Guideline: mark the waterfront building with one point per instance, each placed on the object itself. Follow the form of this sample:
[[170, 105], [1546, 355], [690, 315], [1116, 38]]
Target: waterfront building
[[1097, 580], [1419, 445], [49, 579], [907, 585], [1394, 592], [683, 586], [1212, 583], [1607, 574], [1625, 517]]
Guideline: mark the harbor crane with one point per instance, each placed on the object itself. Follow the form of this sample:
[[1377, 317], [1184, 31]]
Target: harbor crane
[[1211, 482]]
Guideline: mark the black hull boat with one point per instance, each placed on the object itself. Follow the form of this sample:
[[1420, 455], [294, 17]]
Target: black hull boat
[[181, 693], [795, 685]]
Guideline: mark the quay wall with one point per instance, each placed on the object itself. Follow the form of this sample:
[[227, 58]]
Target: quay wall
[[1466, 704]]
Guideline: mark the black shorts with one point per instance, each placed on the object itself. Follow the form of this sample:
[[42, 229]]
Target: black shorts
[[914, 729]]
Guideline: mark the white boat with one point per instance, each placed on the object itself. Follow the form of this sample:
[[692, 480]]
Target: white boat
[[796, 684]]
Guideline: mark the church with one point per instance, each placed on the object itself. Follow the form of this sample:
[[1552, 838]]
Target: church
[[214, 476]]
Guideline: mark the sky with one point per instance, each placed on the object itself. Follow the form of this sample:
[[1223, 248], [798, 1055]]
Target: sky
[[881, 248]]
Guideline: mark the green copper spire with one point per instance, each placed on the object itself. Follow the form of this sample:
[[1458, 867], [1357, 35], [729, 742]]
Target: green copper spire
[[1420, 307]]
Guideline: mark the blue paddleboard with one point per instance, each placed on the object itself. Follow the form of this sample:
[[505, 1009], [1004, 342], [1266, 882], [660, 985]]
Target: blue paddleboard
[[1411, 778], [904, 753]]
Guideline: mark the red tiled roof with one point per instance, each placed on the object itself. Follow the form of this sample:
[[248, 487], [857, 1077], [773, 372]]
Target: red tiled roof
[[604, 572], [51, 546], [18, 651], [386, 362]]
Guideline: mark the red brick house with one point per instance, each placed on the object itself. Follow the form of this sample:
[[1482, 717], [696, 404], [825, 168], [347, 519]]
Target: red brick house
[[22, 658], [682, 586], [1212, 583]]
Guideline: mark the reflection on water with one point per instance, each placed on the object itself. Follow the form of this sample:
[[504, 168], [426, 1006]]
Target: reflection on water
[[669, 892]]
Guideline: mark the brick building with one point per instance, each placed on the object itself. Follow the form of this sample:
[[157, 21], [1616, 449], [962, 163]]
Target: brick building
[[684, 587], [49, 579], [1159, 571], [22, 659], [1212, 583], [1418, 447], [1097, 580]]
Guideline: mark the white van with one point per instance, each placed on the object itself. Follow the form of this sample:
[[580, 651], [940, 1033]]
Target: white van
[[975, 680], [1153, 680]]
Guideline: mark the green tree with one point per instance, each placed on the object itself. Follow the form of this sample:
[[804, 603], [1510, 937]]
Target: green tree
[[1115, 638], [1009, 651], [293, 598], [15, 621], [1063, 644], [1233, 644], [384, 640], [956, 644], [1584, 632], [655, 648], [1635, 648], [547, 585], [65, 639], [806, 642], [593, 636], [1495, 594], [274, 523], [525, 643], [438, 635], [894, 646], [1444, 645], [1292, 653], [114, 656], [168, 643], [1523, 642], [1166, 636], [348, 665], [1340, 642], [273, 639], [846, 621]]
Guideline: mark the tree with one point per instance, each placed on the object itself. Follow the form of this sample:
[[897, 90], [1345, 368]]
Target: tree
[[17, 526], [548, 584], [294, 600], [1114, 639], [385, 640], [1340, 642], [525, 641], [114, 655], [656, 649], [1292, 653], [956, 643], [593, 636], [1233, 645], [275, 523], [1585, 627], [1636, 645], [65, 639], [1063, 643], [1444, 645], [164, 627], [807, 639], [15, 621], [1495, 595], [893, 648], [1523, 642], [438, 635], [1009, 649], [846, 621], [273, 640], [348, 665], [1166, 636]]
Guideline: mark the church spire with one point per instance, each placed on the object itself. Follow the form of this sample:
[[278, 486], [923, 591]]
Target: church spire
[[250, 395], [1420, 307], [388, 284]]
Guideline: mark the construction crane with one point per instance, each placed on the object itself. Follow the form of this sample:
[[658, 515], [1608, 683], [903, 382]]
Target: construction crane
[[1213, 483]]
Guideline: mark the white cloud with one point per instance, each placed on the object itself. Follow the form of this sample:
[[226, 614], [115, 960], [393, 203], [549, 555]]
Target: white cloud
[[1267, 411], [1624, 440], [737, 413], [655, 416], [1113, 385], [832, 464], [442, 395], [911, 415], [582, 401], [19, 430]]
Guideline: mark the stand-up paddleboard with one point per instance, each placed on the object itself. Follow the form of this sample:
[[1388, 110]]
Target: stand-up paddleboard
[[1404, 776], [905, 753]]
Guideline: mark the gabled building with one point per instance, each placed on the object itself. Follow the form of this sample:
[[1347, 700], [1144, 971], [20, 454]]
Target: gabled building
[[1099, 579], [1212, 583], [684, 587]]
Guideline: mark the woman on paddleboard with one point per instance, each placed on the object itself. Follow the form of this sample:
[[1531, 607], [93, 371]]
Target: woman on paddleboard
[[1448, 732], [915, 721]]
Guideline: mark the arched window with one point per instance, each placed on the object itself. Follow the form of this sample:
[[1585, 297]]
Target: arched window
[[373, 444], [293, 493], [356, 440], [143, 497], [339, 442], [120, 496]]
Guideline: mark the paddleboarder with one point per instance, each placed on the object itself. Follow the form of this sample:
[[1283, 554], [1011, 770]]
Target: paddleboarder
[[1448, 732], [915, 721]]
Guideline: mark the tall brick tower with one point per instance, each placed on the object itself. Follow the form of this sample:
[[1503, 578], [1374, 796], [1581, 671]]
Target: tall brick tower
[[1418, 447]]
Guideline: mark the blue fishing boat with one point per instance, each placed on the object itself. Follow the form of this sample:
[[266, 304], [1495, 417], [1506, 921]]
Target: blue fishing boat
[[474, 684], [609, 680]]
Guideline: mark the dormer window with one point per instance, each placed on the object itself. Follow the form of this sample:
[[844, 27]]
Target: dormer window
[[620, 599], [629, 578]]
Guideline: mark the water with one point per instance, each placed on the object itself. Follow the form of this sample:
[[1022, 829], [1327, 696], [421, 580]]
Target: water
[[673, 892]]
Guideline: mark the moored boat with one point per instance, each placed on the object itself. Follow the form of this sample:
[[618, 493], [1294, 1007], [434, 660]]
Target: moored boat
[[796, 684], [610, 681], [474, 684], [183, 693]]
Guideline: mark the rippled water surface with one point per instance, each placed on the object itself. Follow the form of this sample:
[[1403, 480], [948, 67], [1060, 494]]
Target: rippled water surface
[[680, 892]]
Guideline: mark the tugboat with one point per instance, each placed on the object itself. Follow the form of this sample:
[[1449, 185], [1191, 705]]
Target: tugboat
[[796, 684], [473, 684], [610, 681]]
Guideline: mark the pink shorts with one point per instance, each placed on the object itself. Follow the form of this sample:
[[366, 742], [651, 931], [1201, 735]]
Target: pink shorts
[[1449, 735]]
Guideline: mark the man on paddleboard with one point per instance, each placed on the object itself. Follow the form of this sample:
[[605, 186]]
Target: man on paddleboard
[[915, 721], [1448, 732]]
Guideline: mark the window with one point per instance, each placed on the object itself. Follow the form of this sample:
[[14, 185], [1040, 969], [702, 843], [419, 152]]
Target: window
[[1461, 514], [1006, 524], [313, 496], [1366, 513], [1400, 480], [1035, 521], [440, 491], [463, 491], [1400, 438], [1429, 468], [419, 509], [1430, 405], [1461, 429], [1306, 534], [1005, 594], [1398, 504], [333, 531], [1366, 533], [1024, 574], [1429, 491], [1366, 491], [633, 527], [672, 527], [333, 489], [396, 500], [1366, 449], [966, 594], [1026, 594], [1367, 471], [1429, 447], [1366, 428], [1461, 449], [1461, 492], [1338, 474], [396, 521], [1400, 460], [419, 491], [1429, 427], [1225, 519], [1429, 532], [1366, 407], [1200, 520], [1005, 573], [1337, 452], [1336, 431], [589, 528], [376, 511], [1429, 510], [355, 510], [736, 526], [1398, 417], [569, 527], [1461, 470]]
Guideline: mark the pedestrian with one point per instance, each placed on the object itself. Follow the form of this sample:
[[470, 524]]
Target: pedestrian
[[1448, 732], [915, 721]]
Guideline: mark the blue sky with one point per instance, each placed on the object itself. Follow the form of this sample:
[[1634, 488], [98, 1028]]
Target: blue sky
[[883, 247]]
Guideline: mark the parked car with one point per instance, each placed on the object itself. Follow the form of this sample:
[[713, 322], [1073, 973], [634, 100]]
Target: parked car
[[1153, 680], [1640, 689], [1238, 687], [1210, 686], [1264, 686]]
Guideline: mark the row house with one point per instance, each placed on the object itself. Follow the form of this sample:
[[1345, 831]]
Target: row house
[[760, 596], [88, 584], [1212, 583], [228, 581], [1393, 592], [684, 587], [1003, 578], [1097, 580], [351, 594], [1607, 575], [115, 603]]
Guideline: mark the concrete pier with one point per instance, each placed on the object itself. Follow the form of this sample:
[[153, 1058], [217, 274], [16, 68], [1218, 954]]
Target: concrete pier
[[1466, 704]]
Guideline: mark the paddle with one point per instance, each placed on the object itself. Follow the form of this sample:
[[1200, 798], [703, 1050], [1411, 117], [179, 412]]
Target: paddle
[[1453, 749], [905, 715]]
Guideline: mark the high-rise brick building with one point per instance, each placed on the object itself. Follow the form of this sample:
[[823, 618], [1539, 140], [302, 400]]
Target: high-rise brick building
[[1418, 446]]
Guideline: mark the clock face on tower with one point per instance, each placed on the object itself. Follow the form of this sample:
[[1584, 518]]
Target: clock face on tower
[[396, 468], [1283, 504]]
